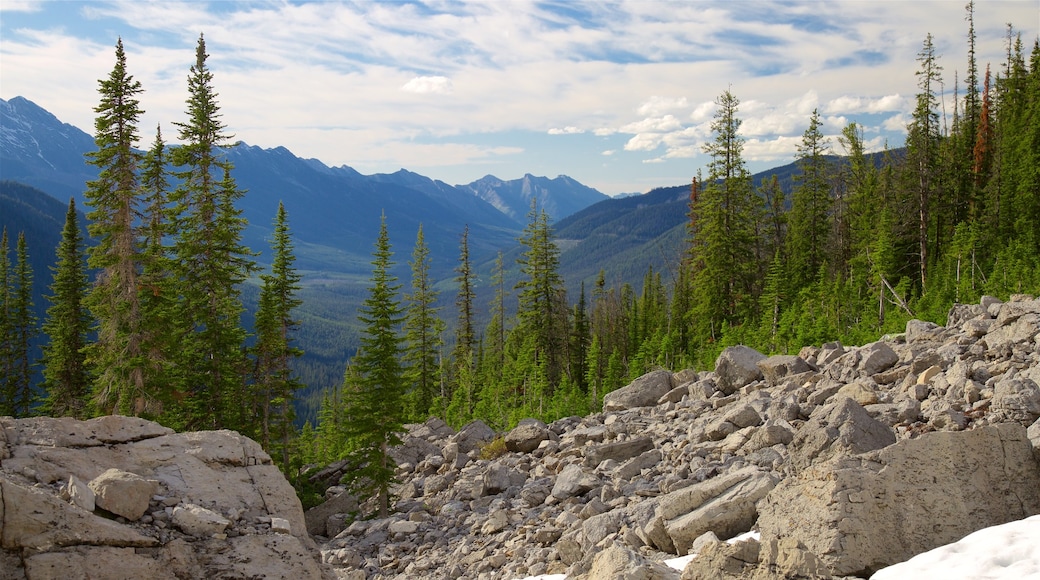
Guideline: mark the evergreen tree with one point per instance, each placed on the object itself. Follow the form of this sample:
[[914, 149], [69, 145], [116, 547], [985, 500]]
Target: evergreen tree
[[423, 331], [922, 144], [375, 405], [66, 379], [810, 207], [212, 264], [542, 305], [116, 357], [274, 385], [158, 285], [724, 253], [7, 334], [20, 395], [465, 335]]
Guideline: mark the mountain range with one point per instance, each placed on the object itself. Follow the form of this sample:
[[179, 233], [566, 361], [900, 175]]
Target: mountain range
[[334, 215]]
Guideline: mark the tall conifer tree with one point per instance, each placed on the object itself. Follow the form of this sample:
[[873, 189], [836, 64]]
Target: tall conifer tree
[[375, 404], [423, 331], [116, 356], [273, 382], [542, 311], [810, 207], [20, 394], [66, 379], [724, 253], [212, 263]]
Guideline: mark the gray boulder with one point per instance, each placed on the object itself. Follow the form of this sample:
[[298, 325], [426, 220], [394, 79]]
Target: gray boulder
[[859, 514], [572, 481], [840, 428], [736, 367], [123, 493], [642, 392], [527, 436], [778, 367]]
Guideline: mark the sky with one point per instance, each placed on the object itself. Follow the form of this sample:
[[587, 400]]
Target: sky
[[616, 94]]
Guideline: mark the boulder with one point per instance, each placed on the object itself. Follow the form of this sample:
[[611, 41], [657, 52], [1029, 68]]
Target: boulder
[[617, 450], [617, 561], [123, 493], [642, 392], [572, 481], [736, 367], [724, 504], [859, 514], [317, 517], [723, 561], [778, 367], [526, 436], [473, 436], [198, 521], [1016, 399], [840, 428], [134, 467], [877, 357]]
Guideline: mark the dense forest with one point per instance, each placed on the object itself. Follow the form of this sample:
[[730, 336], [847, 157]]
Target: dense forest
[[863, 243]]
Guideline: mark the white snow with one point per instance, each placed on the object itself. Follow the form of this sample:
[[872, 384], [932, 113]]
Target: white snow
[[1006, 552], [1009, 551]]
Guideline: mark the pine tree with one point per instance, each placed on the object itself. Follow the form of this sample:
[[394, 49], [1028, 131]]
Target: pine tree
[[375, 405], [724, 253], [7, 365], [66, 379], [274, 385], [20, 395], [212, 264], [922, 144], [542, 303], [158, 286], [423, 331], [810, 207], [465, 335], [116, 357]]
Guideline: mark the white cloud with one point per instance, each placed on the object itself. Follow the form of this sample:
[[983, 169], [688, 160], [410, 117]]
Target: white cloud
[[422, 85], [896, 123], [652, 125], [657, 106], [568, 130], [703, 111], [608, 152], [339, 81]]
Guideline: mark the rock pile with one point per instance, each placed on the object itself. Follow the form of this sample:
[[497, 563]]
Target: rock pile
[[845, 459], [119, 497]]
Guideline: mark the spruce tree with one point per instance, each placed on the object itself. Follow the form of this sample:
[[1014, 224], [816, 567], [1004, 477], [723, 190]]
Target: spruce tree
[[212, 263], [810, 207], [158, 284], [7, 375], [116, 357], [20, 395], [66, 379], [274, 385], [541, 311], [465, 334], [724, 253], [423, 330], [375, 404], [922, 145]]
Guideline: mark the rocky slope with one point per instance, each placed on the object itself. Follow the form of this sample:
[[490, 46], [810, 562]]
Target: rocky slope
[[845, 459]]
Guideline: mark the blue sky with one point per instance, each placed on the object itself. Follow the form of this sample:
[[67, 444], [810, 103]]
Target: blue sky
[[618, 95]]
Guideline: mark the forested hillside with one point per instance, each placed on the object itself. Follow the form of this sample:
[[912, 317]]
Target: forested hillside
[[862, 244]]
